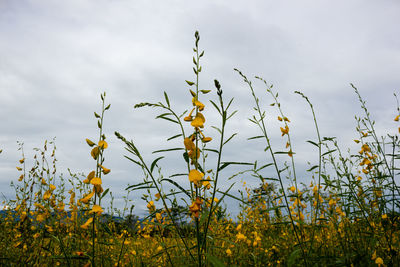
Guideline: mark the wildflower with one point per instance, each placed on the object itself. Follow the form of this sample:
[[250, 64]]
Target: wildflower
[[379, 261], [285, 130], [279, 118], [290, 153], [397, 118], [87, 197], [105, 170], [189, 145], [86, 224], [384, 216], [89, 177], [95, 152], [47, 195], [151, 206], [21, 161], [240, 237], [286, 119], [195, 176], [18, 168], [189, 117], [195, 207], [198, 121], [96, 209], [365, 148], [228, 252], [96, 181], [103, 144], [198, 104], [158, 217], [89, 142], [292, 189], [21, 177], [158, 196]]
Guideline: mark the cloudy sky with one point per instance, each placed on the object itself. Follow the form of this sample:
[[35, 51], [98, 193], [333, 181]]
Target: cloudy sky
[[58, 56]]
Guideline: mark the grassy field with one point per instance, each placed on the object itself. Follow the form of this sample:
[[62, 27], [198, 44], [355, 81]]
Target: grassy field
[[347, 214]]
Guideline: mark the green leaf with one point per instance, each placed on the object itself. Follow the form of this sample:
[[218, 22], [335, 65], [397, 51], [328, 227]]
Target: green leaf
[[108, 107], [97, 115], [138, 185], [166, 150], [225, 164], [177, 185], [215, 105], [153, 164], [312, 168], [256, 137], [134, 161], [326, 153], [173, 137], [189, 82], [166, 98], [104, 193], [311, 142], [233, 135]]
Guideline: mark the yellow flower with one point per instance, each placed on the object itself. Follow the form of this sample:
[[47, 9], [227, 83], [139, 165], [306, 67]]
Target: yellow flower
[[89, 177], [384, 216], [285, 130], [198, 104], [105, 170], [228, 252], [95, 152], [47, 195], [96, 181], [189, 117], [189, 145], [397, 118], [103, 144], [286, 119], [198, 121], [87, 197], [151, 206], [158, 196], [18, 168], [52, 187], [240, 237], [379, 261], [86, 224], [279, 118], [292, 189], [195, 176], [96, 209], [158, 217], [206, 139], [90, 143]]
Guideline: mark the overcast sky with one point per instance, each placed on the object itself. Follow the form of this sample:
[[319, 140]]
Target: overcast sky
[[58, 56]]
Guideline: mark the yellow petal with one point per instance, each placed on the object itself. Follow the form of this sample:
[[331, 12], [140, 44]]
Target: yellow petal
[[95, 152], [105, 170], [195, 176], [103, 144], [52, 187], [96, 181], [86, 224], [96, 209], [189, 145], [198, 121], [90, 143]]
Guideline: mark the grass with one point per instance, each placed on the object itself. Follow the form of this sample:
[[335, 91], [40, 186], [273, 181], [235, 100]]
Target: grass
[[347, 214]]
